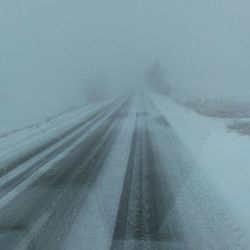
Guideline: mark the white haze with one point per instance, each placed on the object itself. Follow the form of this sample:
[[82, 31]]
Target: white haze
[[49, 49]]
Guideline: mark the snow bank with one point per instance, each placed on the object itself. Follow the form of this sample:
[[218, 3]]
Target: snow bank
[[221, 156]]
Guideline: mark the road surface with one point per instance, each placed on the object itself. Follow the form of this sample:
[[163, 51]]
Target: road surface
[[120, 178]]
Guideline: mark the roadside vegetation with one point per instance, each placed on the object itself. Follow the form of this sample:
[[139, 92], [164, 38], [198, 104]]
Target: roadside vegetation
[[220, 109], [237, 112]]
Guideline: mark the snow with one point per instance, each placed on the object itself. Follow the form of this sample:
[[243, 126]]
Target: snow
[[13, 193], [98, 214], [21, 140], [219, 155]]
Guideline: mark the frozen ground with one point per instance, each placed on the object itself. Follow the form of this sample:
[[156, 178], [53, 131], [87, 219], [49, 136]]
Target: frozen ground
[[221, 156]]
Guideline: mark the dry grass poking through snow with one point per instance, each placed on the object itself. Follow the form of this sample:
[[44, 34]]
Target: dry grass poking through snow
[[242, 127], [221, 109]]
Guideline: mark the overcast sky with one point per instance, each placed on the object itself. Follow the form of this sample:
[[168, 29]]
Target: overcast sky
[[47, 47]]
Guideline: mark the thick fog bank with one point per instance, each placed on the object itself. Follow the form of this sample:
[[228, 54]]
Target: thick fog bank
[[51, 50]]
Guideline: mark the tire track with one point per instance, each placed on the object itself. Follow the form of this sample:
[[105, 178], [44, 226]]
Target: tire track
[[139, 218], [13, 182], [62, 189], [20, 159]]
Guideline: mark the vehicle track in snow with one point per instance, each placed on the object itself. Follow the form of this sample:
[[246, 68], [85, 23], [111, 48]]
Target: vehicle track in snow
[[52, 151], [53, 200], [139, 223], [23, 157], [163, 203]]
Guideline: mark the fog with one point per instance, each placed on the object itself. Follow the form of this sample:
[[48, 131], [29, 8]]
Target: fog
[[51, 49]]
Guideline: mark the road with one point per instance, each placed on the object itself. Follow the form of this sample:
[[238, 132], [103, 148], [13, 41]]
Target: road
[[124, 164]]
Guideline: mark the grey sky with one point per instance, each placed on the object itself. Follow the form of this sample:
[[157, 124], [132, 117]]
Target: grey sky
[[49, 46]]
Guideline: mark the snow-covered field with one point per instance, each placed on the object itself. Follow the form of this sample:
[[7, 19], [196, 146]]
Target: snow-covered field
[[220, 155]]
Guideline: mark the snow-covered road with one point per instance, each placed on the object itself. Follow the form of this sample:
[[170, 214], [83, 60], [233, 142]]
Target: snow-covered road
[[113, 176]]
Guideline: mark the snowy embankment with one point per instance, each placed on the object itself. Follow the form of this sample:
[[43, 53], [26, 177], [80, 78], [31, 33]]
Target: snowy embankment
[[23, 139], [221, 156]]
